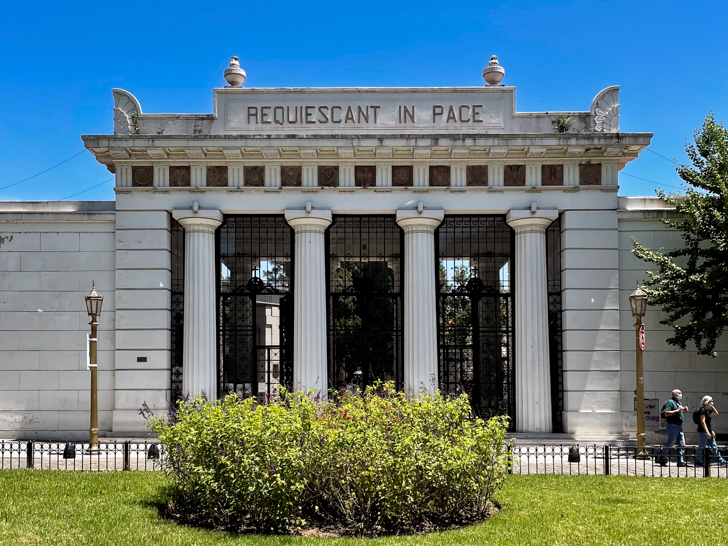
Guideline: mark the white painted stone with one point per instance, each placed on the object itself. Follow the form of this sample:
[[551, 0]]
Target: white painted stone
[[347, 176], [421, 176], [97, 242], [591, 360], [19, 242], [420, 305], [144, 339], [592, 401], [143, 278], [10, 261], [133, 399], [60, 242], [610, 174], [585, 278], [38, 420], [604, 319], [148, 219], [18, 359], [200, 344], [20, 321], [143, 299], [593, 380], [236, 176], [589, 259], [458, 176], [591, 340], [60, 360], [309, 176], [143, 379], [9, 380], [16, 280], [589, 239], [533, 390], [310, 357], [272, 176], [161, 176], [198, 176], [143, 259], [106, 398], [592, 422], [123, 176], [590, 299], [68, 261], [60, 320], [589, 219], [495, 175], [143, 239], [38, 380], [18, 400], [59, 400], [11, 301], [571, 174], [384, 176], [143, 319], [533, 174], [129, 421], [155, 359]]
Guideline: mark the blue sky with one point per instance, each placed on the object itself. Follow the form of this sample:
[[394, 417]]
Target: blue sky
[[60, 60]]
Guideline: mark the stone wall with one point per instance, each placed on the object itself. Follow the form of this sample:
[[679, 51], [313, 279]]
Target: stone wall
[[665, 367], [50, 254]]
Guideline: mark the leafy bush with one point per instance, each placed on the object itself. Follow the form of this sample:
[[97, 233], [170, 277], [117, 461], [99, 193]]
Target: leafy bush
[[373, 463]]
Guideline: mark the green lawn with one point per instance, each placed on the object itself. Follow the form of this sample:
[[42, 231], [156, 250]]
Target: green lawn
[[51, 507]]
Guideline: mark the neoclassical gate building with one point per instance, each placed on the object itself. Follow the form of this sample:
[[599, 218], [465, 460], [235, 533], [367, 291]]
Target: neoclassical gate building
[[326, 238]]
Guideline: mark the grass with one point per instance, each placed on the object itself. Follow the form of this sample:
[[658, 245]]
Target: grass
[[115, 508]]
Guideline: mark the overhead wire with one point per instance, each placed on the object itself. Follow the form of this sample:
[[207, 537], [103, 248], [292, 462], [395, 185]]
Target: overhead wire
[[87, 189], [42, 172]]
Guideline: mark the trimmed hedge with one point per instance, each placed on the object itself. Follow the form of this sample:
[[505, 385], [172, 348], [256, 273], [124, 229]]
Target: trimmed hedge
[[371, 463]]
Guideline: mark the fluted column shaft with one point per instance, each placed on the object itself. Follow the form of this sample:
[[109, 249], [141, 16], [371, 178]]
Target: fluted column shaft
[[310, 358], [199, 360], [533, 375], [420, 300]]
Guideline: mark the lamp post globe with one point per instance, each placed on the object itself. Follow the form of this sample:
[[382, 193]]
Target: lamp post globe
[[93, 306]]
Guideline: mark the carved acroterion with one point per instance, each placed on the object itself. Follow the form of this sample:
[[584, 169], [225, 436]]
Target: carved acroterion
[[605, 110]]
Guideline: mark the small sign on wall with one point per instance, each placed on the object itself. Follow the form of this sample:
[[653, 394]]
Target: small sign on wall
[[652, 414]]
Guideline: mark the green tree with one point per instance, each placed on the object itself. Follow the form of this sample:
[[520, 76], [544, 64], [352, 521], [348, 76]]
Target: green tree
[[690, 283]]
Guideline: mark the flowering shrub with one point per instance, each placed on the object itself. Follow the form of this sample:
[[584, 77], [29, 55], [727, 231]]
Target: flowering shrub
[[371, 463]]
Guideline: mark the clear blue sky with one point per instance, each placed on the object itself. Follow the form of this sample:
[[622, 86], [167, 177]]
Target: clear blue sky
[[60, 60]]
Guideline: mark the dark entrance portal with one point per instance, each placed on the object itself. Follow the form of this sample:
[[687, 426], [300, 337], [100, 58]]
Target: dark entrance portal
[[475, 312], [255, 312], [365, 301]]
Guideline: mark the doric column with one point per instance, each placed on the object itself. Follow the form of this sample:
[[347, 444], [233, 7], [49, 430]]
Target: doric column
[[533, 379], [310, 359], [199, 360], [420, 300]]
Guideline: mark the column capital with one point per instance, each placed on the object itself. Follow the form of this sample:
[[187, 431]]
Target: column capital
[[302, 221], [413, 221], [204, 220], [527, 221]]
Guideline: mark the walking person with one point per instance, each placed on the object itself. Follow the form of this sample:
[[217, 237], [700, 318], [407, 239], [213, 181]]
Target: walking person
[[705, 431], [674, 417]]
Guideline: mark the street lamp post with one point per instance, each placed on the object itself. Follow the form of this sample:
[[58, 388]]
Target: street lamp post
[[93, 307], [638, 303]]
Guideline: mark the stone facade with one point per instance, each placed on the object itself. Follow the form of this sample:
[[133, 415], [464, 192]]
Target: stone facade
[[309, 156]]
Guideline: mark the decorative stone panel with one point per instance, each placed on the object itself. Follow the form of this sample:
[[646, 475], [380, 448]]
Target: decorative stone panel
[[552, 175], [439, 175], [365, 176], [477, 175], [514, 175], [217, 176], [254, 176], [291, 176], [402, 176], [328, 176], [590, 174], [142, 177], [179, 177]]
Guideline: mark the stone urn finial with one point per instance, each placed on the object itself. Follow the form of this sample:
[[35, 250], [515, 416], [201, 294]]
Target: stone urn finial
[[235, 75], [493, 73]]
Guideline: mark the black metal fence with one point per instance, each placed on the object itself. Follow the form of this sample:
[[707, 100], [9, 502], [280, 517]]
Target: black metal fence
[[77, 456], [615, 461]]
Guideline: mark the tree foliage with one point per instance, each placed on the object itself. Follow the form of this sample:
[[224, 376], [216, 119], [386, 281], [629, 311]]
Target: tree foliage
[[691, 283]]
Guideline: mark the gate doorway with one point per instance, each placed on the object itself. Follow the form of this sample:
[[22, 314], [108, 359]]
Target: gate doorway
[[255, 314], [475, 312], [365, 301]]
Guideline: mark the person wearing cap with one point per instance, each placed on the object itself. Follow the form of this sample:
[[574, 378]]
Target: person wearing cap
[[705, 431], [674, 413]]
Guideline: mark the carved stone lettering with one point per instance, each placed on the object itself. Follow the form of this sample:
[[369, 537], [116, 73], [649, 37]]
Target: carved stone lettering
[[328, 177], [142, 177], [179, 177], [477, 175], [217, 176], [514, 175], [254, 176], [552, 175], [365, 176], [439, 175], [291, 176], [402, 175], [590, 174]]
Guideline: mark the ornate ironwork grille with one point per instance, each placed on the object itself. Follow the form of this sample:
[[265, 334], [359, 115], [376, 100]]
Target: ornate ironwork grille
[[177, 306], [255, 306], [475, 312], [365, 300], [553, 268]]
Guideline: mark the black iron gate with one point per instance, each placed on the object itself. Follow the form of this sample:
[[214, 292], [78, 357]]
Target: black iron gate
[[556, 360], [177, 308], [255, 314], [365, 301], [475, 312]]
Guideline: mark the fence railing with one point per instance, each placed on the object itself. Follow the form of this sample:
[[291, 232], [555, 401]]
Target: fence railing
[[78, 456], [593, 459], [613, 460]]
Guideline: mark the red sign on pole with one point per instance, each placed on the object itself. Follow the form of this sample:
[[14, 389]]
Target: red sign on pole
[[642, 338]]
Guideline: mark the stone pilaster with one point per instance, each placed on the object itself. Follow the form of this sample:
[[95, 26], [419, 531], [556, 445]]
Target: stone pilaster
[[310, 358], [533, 379], [199, 361], [420, 301]]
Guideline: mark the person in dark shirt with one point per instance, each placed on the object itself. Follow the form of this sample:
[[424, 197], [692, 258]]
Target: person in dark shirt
[[705, 431], [674, 414]]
